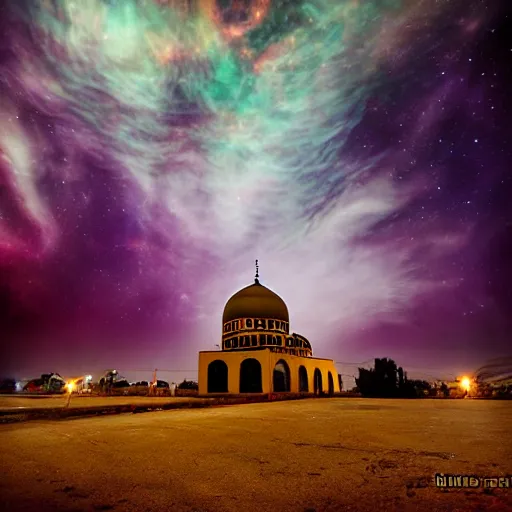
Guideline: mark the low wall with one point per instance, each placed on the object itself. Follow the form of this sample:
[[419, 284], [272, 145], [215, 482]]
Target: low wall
[[146, 391]]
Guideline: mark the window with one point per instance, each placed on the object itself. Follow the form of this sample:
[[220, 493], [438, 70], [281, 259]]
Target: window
[[248, 323], [271, 324], [254, 340], [247, 341], [263, 339], [227, 343], [261, 324], [279, 341], [250, 376], [217, 377], [303, 380], [234, 342], [281, 377]]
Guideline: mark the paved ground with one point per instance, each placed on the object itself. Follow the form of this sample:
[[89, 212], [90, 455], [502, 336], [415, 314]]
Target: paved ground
[[13, 402], [308, 455]]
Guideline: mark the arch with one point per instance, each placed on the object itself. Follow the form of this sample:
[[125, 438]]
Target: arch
[[303, 380], [250, 376], [330, 381], [281, 377], [317, 377], [217, 377]]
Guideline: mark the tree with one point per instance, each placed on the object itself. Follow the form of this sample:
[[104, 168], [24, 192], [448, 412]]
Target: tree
[[386, 380]]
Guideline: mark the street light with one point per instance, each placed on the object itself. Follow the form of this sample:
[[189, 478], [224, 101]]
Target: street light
[[465, 383], [69, 386]]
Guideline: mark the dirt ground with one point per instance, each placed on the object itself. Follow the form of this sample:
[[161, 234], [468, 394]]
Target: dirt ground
[[302, 456]]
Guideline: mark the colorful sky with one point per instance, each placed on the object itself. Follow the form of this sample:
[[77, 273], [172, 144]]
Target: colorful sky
[[360, 149]]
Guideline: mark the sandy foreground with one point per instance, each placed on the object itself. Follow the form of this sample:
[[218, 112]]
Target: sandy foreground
[[308, 455]]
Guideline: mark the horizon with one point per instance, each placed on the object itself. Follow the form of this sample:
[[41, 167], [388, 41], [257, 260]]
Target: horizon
[[348, 371]]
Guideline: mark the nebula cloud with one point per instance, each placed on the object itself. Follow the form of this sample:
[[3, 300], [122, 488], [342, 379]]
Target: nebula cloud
[[152, 150]]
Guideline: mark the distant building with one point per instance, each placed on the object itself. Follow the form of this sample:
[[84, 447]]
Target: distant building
[[259, 355]]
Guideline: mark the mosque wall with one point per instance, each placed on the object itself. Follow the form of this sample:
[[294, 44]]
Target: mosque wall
[[233, 360], [310, 364], [268, 360]]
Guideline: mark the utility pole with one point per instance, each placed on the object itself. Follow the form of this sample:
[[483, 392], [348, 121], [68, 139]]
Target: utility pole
[[154, 383]]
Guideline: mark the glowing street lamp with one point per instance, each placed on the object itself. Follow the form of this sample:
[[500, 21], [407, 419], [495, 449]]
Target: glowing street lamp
[[465, 383], [70, 386]]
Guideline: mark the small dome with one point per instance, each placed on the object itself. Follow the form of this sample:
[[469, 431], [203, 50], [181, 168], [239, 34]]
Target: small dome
[[255, 301]]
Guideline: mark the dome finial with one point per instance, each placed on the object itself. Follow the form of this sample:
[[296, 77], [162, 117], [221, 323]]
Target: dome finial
[[257, 273]]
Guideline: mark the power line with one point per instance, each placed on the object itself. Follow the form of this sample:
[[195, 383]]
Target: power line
[[158, 370], [354, 364]]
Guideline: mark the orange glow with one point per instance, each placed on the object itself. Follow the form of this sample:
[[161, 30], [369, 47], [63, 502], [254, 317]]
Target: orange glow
[[465, 383]]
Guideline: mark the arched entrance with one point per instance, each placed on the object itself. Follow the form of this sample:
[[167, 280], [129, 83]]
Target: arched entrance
[[217, 377], [317, 377], [303, 380], [331, 383], [250, 376], [281, 377]]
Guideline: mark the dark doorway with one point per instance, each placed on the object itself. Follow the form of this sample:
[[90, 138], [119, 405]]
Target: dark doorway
[[340, 382], [318, 382], [250, 376], [331, 384], [217, 377], [281, 377], [303, 380]]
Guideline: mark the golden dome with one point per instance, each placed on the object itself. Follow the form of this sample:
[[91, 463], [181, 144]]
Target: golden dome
[[255, 301]]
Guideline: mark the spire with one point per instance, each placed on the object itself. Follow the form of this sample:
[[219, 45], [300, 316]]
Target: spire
[[256, 278]]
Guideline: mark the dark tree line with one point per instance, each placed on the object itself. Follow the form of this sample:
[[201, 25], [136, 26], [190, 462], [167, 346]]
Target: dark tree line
[[386, 380]]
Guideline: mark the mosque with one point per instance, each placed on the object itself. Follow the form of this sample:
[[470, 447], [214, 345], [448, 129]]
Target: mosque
[[258, 353]]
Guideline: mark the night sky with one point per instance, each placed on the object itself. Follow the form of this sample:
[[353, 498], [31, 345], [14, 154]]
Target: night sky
[[360, 149]]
